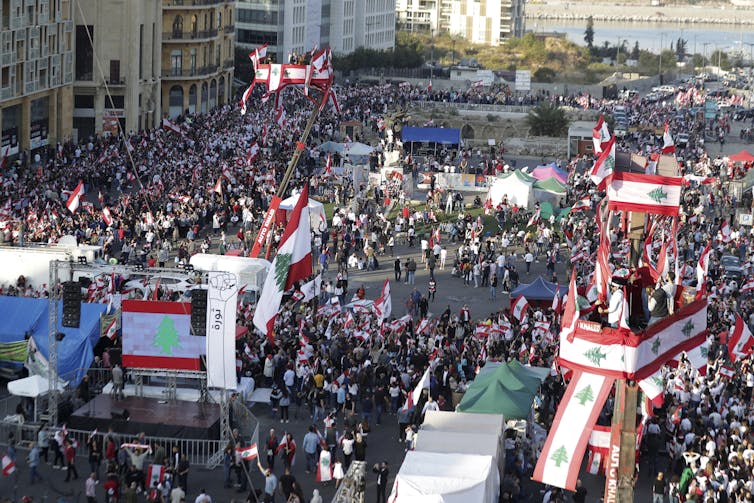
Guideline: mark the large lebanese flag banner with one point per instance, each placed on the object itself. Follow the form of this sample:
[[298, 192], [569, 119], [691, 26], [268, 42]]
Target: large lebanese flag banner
[[560, 460], [659, 195], [292, 263], [621, 354]]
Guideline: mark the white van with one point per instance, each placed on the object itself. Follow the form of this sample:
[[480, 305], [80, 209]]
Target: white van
[[251, 272]]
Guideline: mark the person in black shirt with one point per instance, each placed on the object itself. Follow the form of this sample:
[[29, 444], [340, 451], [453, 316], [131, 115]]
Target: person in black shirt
[[382, 472], [287, 483]]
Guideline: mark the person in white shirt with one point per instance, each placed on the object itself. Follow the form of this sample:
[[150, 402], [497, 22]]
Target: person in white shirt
[[615, 306]]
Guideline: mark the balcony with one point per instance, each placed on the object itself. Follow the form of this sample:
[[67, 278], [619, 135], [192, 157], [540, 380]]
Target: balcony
[[197, 36], [230, 28], [190, 73], [191, 4], [228, 63], [121, 82]]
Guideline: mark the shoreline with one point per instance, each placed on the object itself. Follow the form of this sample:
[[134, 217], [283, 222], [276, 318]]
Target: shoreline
[[628, 13]]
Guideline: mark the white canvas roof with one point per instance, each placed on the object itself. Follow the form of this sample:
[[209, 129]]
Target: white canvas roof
[[463, 422], [446, 478], [32, 386], [518, 190], [485, 444], [316, 211]]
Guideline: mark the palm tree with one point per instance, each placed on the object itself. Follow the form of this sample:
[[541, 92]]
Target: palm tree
[[547, 119]]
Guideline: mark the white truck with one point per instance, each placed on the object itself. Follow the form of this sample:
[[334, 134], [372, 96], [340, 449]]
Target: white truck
[[33, 262], [251, 272]]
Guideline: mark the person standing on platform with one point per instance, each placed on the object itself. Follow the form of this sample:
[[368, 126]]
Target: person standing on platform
[[117, 391]]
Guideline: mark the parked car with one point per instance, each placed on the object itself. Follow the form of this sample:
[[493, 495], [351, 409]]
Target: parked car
[[732, 269]]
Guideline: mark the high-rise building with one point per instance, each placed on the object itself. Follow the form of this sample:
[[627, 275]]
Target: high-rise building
[[481, 22], [117, 74], [36, 73], [487, 22], [198, 41], [297, 26]]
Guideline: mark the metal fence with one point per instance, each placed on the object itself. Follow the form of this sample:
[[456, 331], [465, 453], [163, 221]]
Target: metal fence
[[473, 107]]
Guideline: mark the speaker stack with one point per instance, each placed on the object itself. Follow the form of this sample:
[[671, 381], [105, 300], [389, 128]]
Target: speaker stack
[[71, 304], [199, 312]]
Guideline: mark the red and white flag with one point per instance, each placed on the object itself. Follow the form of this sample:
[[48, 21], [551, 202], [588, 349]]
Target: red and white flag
[[328, 164], [740, 341], [519, 308], [582, 204], [9, 466], [429, 86], [171, 126], [668, 145], [107, 216], [604, 164], [556, 300], [600, 135], [245, 98], [725, 231], [100, 197], [251, 156], [534, 220], [155, 473], [292, 263], [75, 198], [413, 398], [248, 453], [655, 194], [727, 371], [570, 311], [258, 55], [4, 159], [218, 188], [701, 271], [383, 305]]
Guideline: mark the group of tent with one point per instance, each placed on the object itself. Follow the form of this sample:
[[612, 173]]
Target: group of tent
[[545, 184], [460, 456]]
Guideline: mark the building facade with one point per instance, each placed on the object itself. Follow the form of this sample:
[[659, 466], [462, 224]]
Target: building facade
[[486, 22], [198, 41], [418, 15], [117, 74], [36, 73], [297, 26]]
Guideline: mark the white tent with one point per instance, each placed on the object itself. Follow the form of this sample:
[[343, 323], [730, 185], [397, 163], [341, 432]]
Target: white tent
[[463, 422], [317, 215], [517, 186], [447, 442], [446, 478], [35, 386]]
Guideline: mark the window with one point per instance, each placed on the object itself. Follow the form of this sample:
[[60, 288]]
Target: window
[[114, 71], [175, 62], [192, 61], [84, 53], [83, 101], [175, 101], [194, 26], [118, 102], [178, 27], [256, 37]]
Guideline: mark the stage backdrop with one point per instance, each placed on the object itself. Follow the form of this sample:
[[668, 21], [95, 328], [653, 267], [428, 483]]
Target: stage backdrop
[[158, 335]]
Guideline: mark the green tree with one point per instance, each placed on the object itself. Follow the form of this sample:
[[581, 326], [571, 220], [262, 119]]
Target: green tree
[[698, 61], [589, 33], [585, 395], [560, 456], [544, 74], [720, 59], [166, 337], [635, 51], [680, 48], [547, 119]]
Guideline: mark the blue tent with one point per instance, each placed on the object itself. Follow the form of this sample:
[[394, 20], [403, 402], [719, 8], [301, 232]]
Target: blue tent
[[446, 136], [19, 315], [539, 289]]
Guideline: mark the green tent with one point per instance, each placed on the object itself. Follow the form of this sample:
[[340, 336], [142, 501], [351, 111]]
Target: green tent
[[507, 388], [552, 185]]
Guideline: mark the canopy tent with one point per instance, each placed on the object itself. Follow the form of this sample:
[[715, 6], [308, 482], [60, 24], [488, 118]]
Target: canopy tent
[[21, 315], [446, 478], [508, 389], [355, 150], [539, 292], [515, 375], [32, 386], [439, 420], [317, 216], [545, 210], [742, 156], [450, 442], [517, 186], [550, 191], [550, 171], [445, 136]]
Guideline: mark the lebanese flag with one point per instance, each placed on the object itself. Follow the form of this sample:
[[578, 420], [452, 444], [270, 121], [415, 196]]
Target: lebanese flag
[[725, 231], [100, 197], [600, 136], [727, 371], [292, 263], [556, 300], [582, 204], [429, 86], [248, 453], [519, 307], [701, 271], [253, 153], [218, 188], [75, 198], [604, 164], [324, 466], [171, 126], [245, 98], [4, 160], [748, 286], [668, 145], [155, 473], [280, 117], [319, 59], [655, 194], [413, 398], [107, 216], [9, 466], [740, 341], [111, 330], [258, 54], [328, 164], [383, 305], [534, 220], [654, 388], [570, 311]]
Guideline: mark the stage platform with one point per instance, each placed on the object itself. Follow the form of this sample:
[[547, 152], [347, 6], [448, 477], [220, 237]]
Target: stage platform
[[153, 416]]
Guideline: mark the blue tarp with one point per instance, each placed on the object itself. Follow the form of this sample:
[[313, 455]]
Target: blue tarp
[[539, 289], [19, 315], [447, 136]]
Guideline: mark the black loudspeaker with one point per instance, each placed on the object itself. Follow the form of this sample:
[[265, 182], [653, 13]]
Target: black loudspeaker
[[199, 312], [119, 414], [71, 304]]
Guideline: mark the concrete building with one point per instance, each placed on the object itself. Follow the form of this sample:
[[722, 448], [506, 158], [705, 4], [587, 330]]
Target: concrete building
[[198, 41], [117, 77], [289, 26], [36, 73], [486, 22], [419, 15]]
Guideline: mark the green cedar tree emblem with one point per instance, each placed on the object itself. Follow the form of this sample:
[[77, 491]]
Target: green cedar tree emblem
[[705, 352], [585, 395], [595, 356], [282, 264], [275, 70], [560, 456], [657, 195], [688, 329], [609, 163], [166, 337], [658, 381], [258, 74], [656, 346]]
